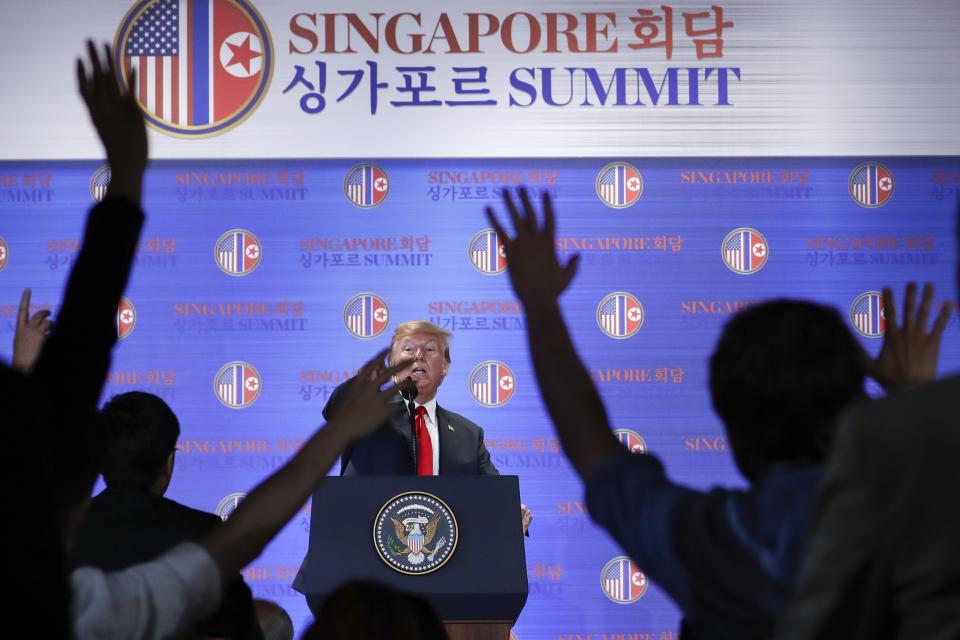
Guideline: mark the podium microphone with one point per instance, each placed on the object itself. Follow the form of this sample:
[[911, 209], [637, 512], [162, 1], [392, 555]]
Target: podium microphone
[[408, 391]]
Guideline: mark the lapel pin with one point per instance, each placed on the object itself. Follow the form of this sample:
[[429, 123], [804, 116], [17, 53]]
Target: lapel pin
[[450, 426]]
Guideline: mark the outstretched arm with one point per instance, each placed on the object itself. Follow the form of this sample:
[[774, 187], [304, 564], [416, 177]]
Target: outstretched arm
[[909, 354], [278, 498], [569, 393]]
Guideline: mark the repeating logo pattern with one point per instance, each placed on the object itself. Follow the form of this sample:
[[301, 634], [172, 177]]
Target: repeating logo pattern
[[238, 252], [202, 66], [228, 505], [126, 318], [237, 385], [487, 254], [492, 383], [4, 254], [622, 581], [620, 315], [619, 185], [868, 315], [99, 183], [366, 185], [745, 250], [415, 533], [366, 315], [871, 184], [631, 440]]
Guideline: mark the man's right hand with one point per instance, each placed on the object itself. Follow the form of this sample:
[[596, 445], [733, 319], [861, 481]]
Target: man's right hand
[[909, 354], [30, 334], [364, 405]]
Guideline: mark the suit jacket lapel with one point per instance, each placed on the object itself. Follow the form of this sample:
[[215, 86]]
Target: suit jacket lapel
[[443, 437]]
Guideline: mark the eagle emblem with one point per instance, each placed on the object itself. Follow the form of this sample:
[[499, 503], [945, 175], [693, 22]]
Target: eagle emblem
[[415, 533]]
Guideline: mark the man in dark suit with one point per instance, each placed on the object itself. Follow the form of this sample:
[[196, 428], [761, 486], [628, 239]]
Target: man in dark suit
[[131, 522], [450, 443], [884, 556]]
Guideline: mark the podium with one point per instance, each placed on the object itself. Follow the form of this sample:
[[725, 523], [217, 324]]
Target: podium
[[481, 585]]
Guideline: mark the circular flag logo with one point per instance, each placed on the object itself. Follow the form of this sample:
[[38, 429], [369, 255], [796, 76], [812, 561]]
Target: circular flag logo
[[620, 315], [4, 253], [366, 315], [871, 184], [228, 505], [492, 383], [238, 252], [744, 250], [126, 318], [202, 66], [487, 254], [415, 533], [237, 385], [868, 316], [619, 185], [631, 440], [622, 581], [99, 183], [366, 185]]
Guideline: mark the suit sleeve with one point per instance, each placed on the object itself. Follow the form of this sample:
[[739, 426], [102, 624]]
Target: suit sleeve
[[484, 464]]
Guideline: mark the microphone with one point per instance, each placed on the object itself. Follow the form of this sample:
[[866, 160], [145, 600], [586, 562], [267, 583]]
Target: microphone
[[408, 389]]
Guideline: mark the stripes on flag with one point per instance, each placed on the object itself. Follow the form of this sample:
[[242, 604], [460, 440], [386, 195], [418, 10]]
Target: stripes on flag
[[485, 252], [867, 314]]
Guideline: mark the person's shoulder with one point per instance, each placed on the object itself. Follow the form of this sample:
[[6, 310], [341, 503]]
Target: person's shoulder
[[455, 419], [938, 400], [189, 514]]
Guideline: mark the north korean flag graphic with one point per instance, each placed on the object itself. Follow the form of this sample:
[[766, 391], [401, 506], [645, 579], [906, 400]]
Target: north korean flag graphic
[[622, 581], [619, 185], [126, 318], [620, 315], [631, 440], [202, 65], [486, 252], [366, 185], [366, 315], [868, 315], [871, 184], [4, 253], [492, 383], [237, 385], [238, 252], [745, 250]]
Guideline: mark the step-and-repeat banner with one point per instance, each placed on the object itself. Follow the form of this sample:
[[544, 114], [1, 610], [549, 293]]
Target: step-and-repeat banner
[[321, 176]]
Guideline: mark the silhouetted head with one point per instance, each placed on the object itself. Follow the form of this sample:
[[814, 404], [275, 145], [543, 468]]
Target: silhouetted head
[[141, 436], [779, 375]]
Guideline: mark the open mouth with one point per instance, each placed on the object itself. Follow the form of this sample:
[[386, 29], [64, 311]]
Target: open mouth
[[418, 371]]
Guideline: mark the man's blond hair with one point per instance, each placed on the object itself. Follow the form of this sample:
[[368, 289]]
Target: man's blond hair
[[404, 329]]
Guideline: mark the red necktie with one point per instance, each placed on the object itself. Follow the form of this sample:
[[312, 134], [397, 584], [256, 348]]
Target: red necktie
[[424, 446]]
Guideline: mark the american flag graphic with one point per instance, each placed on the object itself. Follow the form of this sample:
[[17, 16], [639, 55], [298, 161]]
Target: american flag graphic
[[4, 253], [631, 440], [366, 185], [871, 184], [620, 315], [99, 183], [744, 250], [238, 384], [126, 318], [238, 252], [198, 62], [486, 252], [619, 184], [492, 383], [366, 315], [867, 314], [228, 505], [623, 581]]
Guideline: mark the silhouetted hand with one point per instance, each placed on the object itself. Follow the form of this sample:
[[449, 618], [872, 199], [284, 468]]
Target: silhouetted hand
[[364, 405], [30, 334], [531, 258], [909, 354], [118, 120]]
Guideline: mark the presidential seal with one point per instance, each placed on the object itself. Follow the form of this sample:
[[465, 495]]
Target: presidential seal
[[415, 533]]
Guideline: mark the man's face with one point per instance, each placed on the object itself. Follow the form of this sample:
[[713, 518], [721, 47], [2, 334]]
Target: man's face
[[429, 366]]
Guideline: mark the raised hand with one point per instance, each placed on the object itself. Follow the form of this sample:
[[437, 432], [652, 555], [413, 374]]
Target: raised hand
[[531, 258], [364, 405], [118, 120], [30, 334], [909, 354]]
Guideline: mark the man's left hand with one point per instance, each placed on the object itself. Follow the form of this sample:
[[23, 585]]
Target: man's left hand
[[525, 518]]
